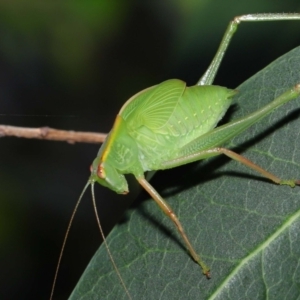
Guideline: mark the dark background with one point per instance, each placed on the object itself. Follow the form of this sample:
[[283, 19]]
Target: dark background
[[71, 65]]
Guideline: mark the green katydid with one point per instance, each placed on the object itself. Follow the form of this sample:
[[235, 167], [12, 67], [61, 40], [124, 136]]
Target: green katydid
[[169, 125]]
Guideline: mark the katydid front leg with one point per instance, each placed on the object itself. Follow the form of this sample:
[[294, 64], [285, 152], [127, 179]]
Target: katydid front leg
[[165, 207]]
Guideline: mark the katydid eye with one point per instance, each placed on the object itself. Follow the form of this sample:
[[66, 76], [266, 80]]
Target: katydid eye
[[100, 172]]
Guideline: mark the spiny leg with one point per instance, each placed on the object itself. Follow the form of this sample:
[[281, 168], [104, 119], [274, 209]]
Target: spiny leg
[[210, 74], [169, 212], [217, 151], [257, 168]]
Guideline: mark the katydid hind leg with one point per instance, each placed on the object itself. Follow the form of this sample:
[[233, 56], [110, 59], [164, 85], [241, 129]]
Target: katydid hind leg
[[208, 144], [233, 155], [257, 168], [210, 74], [165, 207]]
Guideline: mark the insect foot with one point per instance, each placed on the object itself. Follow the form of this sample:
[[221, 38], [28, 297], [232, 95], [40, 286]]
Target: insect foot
[[291, 183]]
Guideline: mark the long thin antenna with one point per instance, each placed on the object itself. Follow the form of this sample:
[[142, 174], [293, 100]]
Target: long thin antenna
[[65, 238], [106, 245]]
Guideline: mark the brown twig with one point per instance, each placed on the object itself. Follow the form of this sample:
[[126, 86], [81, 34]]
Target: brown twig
[[47, 133]]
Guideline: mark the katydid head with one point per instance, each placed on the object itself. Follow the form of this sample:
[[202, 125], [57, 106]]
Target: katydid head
[[107, 175]]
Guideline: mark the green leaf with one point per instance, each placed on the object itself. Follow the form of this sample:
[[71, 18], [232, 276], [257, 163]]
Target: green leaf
[[246, 228]]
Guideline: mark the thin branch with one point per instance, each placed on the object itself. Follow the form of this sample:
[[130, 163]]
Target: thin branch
[[47, 133]]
